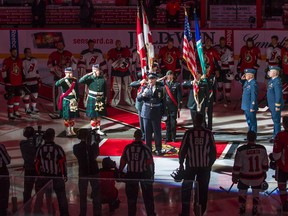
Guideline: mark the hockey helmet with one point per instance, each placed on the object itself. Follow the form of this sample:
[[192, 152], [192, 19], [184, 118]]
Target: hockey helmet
[[230, 76], [264, 186]]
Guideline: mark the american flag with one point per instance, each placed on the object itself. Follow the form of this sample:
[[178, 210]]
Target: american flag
[[188, 48], [141, 46]]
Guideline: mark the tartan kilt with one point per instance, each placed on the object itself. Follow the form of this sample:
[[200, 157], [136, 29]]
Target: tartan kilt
[[90, 109], [66, 113]]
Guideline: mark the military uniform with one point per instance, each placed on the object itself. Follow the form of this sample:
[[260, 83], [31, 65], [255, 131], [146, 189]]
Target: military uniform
[[65, 84], [275, 100], [202, 98], [249, 100], [172, 108], [152, 112], [96, 95], [138, 106]]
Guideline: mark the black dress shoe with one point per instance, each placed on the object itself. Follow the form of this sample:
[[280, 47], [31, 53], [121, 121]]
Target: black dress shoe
[[158, 153]]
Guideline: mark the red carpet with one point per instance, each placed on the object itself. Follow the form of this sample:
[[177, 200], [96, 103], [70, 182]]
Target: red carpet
[[114, 147]]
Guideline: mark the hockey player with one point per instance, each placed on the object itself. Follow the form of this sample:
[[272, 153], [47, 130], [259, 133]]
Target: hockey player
[[119, 59], [96, 97], [31, 81], [273, 53], [68, 101], [227, 67], [249, 170], [250, 57], [280, 155], [12, 74], [57, 62], [169, 59]]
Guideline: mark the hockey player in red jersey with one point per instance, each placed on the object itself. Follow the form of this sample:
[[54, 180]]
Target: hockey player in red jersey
[[57, 62], [119, 60], [31, 81], [280, 155], [12, 74], [250, 57], [169, 58], [227, 67], [249, 170]]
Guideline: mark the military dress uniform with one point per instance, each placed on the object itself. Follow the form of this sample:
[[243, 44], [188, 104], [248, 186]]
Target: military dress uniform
[[275, 100], [172, 108], [152, 111], [96, 104], [202, 98], [249, 100], [68, 101]]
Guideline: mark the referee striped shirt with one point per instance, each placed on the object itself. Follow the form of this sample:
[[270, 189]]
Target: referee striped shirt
[[198, 148], [138, 158], [51, 160], [4, 157]]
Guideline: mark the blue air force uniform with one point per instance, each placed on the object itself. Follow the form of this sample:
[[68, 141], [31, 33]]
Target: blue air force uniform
[[152, 112], [275, 100], [249, 100]]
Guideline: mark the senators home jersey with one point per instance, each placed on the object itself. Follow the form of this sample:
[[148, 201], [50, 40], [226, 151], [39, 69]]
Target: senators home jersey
[[30, 71], [212, 59], [12, 71], [170, 59], [58, 61], [249, 58], [120, 61], [251, 164]]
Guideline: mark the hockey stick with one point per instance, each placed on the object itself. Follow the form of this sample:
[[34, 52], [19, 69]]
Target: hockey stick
[[227, 191], [268, 194]]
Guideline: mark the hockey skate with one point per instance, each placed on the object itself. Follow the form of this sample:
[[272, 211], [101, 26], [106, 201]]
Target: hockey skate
[[17, 114], [11, 116], [27, 110], [34, 110], [98, 131], [255, 210], [242, 210]]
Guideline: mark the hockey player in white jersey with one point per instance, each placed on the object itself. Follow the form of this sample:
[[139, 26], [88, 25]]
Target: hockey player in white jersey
[[31, 82], [227, 68], [249, 170]]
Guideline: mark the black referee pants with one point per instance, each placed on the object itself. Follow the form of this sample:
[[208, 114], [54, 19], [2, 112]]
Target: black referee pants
[[132, 188], [202, 176], [4, 191]]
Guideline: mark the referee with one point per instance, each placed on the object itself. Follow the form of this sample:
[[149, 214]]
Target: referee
[[50, 164], [140, 165], [4, 180], [199, 152]]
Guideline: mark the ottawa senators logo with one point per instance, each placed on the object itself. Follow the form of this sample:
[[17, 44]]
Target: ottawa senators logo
[[92, 60], [248, 57], [169, 58], [16, 69]]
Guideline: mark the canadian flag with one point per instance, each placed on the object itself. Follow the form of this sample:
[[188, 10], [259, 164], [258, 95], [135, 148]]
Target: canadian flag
[[141, 46], [148, 39]]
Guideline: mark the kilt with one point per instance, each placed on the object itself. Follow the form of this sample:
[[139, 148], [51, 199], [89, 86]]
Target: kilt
[[65, 112], [90, 109]]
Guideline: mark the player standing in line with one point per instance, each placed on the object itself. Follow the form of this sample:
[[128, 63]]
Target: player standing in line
[[12, 74], [31, 81], [249, 170], [227, 67]]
